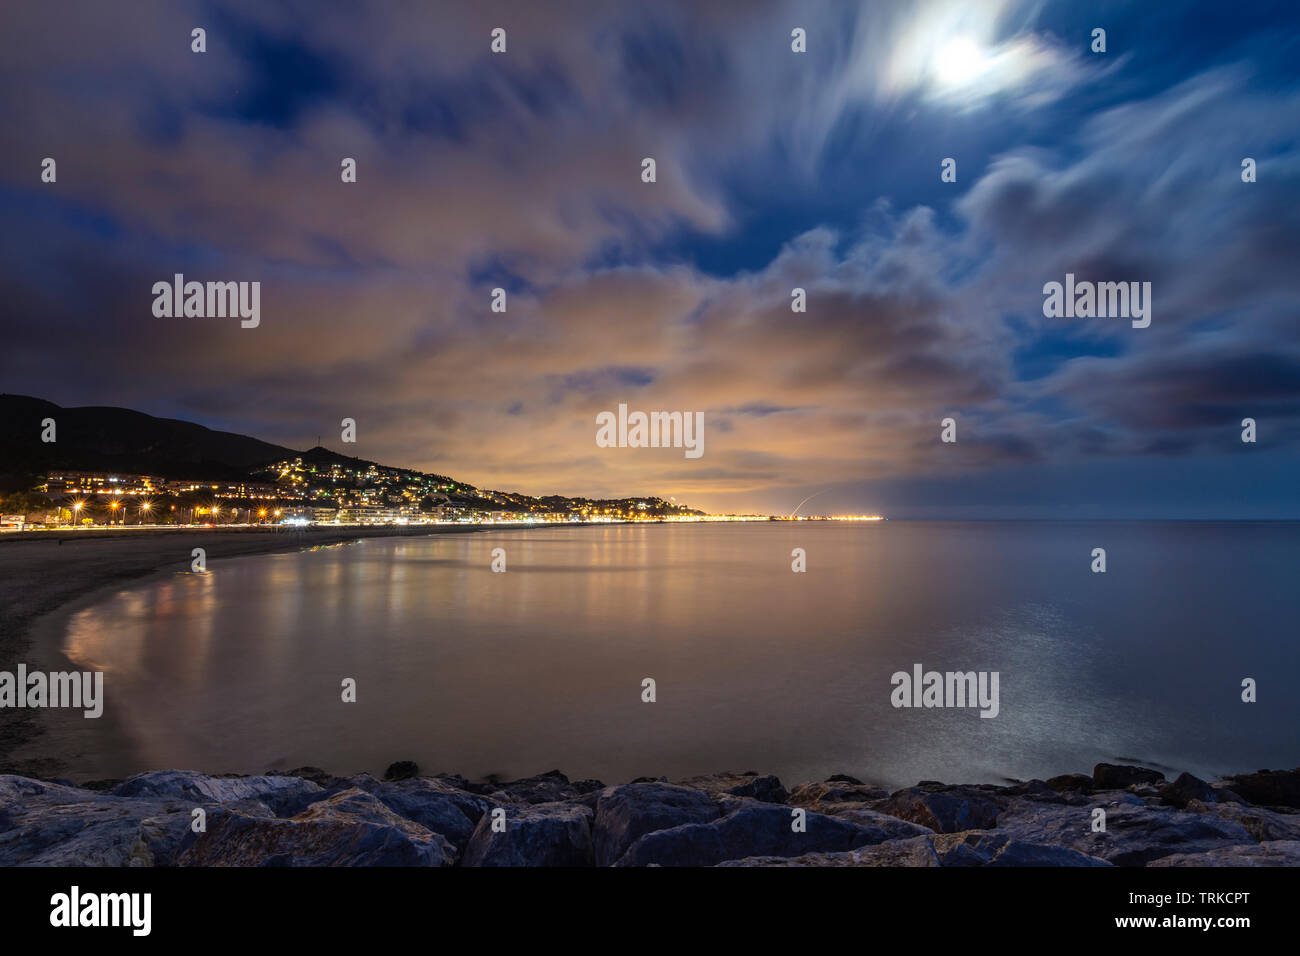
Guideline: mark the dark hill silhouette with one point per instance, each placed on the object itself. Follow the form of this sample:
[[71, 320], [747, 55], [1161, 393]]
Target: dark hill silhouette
[[105, 439], [97, 438]]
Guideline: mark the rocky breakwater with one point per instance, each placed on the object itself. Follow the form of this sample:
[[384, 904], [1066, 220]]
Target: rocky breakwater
[[311, 818]]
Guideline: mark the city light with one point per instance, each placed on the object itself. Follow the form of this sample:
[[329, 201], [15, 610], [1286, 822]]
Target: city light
[[339, 495]]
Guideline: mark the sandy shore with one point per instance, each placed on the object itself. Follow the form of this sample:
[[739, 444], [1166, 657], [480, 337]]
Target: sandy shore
[[44, 576]]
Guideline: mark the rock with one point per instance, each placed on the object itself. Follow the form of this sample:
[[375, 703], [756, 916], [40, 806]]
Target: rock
[[755, 829], [820, 795], [1071, 783], [975, 848], [351, 828], [918, 851], [1275, 853], [1225, 795], [285, 796], [1260, 823], [160, 839], [278, 820], [766, 788], [895, 828], [895, 853], [843, 778], [16, 788], [550, 787], [535, 835], [1037, 789], [455, 782], [1186, 789], [982, 848], [49, 824], [1135, 832], [432, 804], [1109, 776], [947, 811], [1269, 788], [402, 770], [625, 814], [322, 779]]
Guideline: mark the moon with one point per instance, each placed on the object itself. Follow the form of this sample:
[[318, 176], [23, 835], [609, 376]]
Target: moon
[[959, 61]]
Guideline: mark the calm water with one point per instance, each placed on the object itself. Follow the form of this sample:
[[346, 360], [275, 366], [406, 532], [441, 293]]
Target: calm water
[[468, 671]]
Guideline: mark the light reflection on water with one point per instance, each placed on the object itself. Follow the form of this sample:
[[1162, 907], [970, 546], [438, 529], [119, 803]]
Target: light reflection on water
[[467, 671]]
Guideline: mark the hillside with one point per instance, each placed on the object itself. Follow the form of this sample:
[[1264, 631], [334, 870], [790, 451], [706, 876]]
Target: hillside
[[105, 439], [97, 438]]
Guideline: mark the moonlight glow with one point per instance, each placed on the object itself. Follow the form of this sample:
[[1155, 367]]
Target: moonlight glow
[[959, 62]]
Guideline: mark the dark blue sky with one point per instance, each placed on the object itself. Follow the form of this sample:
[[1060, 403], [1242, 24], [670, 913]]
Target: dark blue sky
[[775, 169]]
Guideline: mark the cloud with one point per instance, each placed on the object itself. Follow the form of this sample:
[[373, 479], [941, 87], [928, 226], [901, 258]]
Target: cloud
[[523, 171]]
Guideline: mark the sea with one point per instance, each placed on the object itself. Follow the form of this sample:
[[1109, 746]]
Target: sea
[[613, 652]]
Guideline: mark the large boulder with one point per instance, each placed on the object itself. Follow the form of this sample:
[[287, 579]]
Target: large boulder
[[625, 814], [1277, 853], [949, 810], [762, 787], [1037, 789], [975, 848], [284, 796], [1186, 789], [1260, 823], [895, 853], [983, 848], [753, 829], [895, 828], [316, 775], [1135, 833], [1269, 788], [351, 828], [1070, 783], [51, 824], [161, 838], [819, 796], [549, 787], [535, 835], [431, 803], [1110, 776]]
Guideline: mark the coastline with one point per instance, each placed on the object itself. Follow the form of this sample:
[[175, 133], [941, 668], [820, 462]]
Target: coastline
[[1117, 816], [47, 576]]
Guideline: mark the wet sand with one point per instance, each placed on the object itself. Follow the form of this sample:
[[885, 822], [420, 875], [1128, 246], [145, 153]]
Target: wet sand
[[46, 576]]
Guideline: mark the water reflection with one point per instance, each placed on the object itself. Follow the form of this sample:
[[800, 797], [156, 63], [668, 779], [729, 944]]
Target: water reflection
[[757, 667]]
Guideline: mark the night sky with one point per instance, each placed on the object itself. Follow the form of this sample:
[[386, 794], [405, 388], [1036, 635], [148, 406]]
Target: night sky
[[775, 169]]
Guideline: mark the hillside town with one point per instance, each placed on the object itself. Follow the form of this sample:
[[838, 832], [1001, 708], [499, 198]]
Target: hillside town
[[316, 487]]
